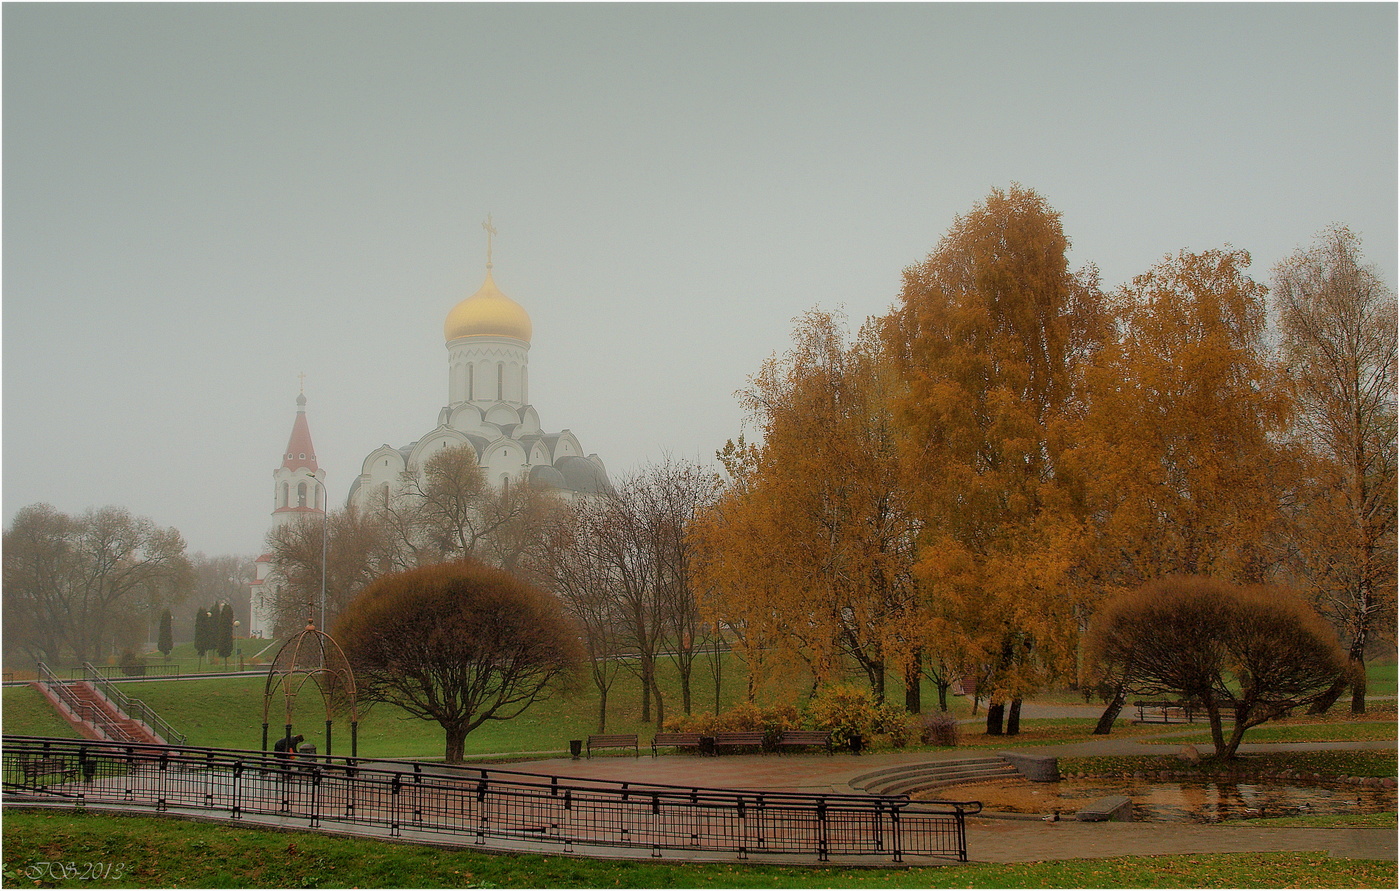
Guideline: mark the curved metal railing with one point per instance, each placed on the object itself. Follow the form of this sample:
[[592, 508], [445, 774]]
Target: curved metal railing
[[477, 806]]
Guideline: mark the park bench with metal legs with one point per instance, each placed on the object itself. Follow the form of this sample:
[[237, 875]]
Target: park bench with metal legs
[[613, 741], [33, 768], [790, 738], [1165, 712], [739, 738], [675, 740]]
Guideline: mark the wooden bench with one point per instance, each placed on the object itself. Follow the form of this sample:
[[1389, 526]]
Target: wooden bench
[[805, 738], [676, 740], [613, 741], [1162, 712], [740, 738], [42, 767]]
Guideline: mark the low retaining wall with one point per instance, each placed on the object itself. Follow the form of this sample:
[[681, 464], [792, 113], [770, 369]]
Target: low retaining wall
[[1036, 768]]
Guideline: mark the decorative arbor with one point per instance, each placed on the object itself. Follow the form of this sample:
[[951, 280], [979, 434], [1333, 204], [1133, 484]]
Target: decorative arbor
[[312, 656]]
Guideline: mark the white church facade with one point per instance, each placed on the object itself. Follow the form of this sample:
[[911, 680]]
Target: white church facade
[[488, 408]]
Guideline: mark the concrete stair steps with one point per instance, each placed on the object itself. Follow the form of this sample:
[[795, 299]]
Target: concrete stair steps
[[126, 727], [915, 784], [932, 775], [927, 767]]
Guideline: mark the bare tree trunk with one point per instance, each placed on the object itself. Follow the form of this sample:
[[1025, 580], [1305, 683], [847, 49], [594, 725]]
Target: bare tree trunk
[[660, 703], [602, 709], [1358, 688], [1013, 717], [456, 744], [1110, 713], [1329, 699], [995, 711], [913, 675]]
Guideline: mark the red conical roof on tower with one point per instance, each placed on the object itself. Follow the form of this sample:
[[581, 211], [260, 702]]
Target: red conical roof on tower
[[300, 454]]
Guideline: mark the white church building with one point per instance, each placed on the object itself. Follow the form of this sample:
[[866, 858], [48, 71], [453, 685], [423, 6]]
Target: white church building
[[488, 407]]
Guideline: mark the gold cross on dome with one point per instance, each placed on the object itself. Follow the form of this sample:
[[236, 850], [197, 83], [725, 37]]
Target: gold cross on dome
[[301, 381], [490, 230]]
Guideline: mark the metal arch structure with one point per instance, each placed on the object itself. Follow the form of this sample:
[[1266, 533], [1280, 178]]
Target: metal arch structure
[[312, 656]]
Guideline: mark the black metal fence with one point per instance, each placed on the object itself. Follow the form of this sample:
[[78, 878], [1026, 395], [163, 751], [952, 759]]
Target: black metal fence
[[485, 807]]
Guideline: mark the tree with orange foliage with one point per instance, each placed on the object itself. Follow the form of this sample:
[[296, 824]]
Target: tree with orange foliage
[[990, 339], [1179, 450], [1179, 455], [809, 549], [1338, 325], [458, 643]]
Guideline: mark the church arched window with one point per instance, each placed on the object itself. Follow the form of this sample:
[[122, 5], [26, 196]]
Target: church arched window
[[286, 494], [471, 376], [524, 385], [301, 494], [500, 382]]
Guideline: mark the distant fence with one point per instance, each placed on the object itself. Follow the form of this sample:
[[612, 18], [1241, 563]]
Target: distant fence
[[480, 806], [117, 673]]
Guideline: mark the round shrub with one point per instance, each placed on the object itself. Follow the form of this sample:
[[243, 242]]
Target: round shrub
[[940, 729]]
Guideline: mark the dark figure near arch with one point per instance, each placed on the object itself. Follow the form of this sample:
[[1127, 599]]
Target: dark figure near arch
[[287, 748]]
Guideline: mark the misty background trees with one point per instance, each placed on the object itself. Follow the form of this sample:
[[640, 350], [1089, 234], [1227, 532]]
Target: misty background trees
[[86, 586]]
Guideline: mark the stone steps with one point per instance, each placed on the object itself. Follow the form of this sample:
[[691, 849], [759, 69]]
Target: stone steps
[[126, 728], [903, 779]]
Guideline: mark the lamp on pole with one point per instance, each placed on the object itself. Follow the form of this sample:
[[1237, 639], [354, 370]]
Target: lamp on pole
[[325, 504]]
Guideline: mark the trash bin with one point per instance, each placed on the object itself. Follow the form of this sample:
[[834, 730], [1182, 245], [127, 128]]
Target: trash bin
[[707, 745], [856, 744], [575, 748]]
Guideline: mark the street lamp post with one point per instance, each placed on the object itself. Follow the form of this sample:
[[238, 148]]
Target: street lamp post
[[325, 505]]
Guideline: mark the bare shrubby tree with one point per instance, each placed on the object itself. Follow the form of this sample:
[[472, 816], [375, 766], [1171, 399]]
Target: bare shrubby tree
[[1254, 652], [358, 548], [669, 497], [1338, 325], [577, 566], [221, 579], [460, 644], [449, 510]]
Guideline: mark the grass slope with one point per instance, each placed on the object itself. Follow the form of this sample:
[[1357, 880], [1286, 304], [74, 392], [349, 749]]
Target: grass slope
[[151, 852], [25, 712]]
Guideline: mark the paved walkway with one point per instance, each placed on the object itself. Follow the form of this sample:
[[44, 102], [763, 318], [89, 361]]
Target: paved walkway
[[997, 840]]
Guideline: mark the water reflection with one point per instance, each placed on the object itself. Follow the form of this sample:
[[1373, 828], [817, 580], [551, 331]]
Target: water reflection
[[1178, 802]]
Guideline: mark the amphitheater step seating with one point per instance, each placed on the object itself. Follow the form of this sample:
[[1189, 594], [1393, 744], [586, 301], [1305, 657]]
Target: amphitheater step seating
[[908, 778]]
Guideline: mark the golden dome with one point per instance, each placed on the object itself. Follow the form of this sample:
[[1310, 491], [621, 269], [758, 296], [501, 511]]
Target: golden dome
[[488, 312]]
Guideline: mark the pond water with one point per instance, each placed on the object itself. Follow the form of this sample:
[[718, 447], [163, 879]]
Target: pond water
[[1174, 802]]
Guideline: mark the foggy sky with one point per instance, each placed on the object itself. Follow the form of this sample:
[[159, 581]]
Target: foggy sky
[[203, 201]]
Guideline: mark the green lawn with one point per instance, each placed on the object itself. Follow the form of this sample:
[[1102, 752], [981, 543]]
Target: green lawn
[[1380, 679], [25, 712], [228, 713], [1326, 764], [1330, 731], [152, 852]]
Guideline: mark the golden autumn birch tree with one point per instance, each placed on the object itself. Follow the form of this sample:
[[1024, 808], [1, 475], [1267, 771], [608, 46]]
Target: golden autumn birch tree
[[810, 547], [989, 338], [1180, 454], [1338, 327]]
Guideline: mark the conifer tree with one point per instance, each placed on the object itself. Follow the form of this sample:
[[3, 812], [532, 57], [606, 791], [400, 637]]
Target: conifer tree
[[166, 641]]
